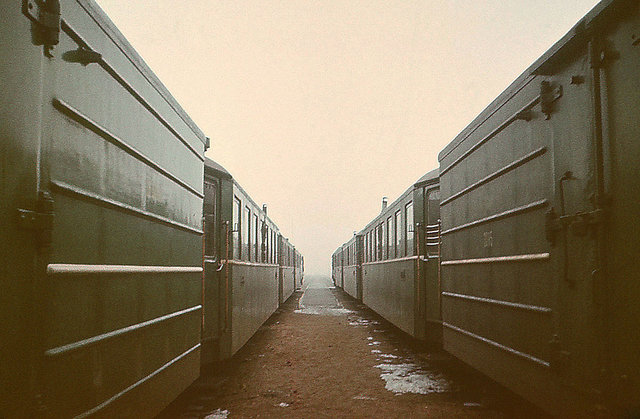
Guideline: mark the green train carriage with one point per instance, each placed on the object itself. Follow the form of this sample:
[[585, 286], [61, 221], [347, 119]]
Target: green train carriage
[[101, 203]]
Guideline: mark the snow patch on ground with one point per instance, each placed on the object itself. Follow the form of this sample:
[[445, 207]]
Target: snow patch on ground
[[409, 378], [323, 311], [363, 398], [218, 414]]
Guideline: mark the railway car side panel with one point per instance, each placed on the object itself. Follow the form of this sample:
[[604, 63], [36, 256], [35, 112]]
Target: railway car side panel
[[350, 280], [389, 290], [288, 283], [120, 181], [526, 291], [255, 299], [621, 104]]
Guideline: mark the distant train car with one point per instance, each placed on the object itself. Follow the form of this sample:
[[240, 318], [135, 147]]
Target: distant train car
[[399, 260], [286, 278], [351, 279], [100, 234], [392, 264], [336, 267], [298, 269], [540, 232], [249, 265]]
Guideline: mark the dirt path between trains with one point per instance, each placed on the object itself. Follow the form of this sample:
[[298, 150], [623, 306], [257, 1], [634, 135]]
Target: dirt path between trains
[[340, 361]]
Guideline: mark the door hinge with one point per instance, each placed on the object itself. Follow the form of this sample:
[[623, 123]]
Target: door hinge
[[41, 220], [45, 18]]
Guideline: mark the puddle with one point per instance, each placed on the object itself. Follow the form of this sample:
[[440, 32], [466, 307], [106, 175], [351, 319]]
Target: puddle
[[376, 351], [218, 414], [369, 338], [389, 356], [409, 378], [374, 343], [284, 404]]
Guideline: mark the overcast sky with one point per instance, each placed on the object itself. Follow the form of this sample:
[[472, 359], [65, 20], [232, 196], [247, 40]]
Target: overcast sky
[[320, 108]]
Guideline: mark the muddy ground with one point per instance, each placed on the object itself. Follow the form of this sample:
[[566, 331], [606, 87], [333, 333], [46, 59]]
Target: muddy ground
[[323, 355]]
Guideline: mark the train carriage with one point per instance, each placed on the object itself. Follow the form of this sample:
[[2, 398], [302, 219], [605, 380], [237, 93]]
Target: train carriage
[[336, 267], [399, 263], [286, 276], [540, 286], [351, 268], [298, 269], [101, 202], [249, 265]]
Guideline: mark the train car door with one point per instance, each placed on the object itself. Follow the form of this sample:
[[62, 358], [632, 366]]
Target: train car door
[[213, 287]]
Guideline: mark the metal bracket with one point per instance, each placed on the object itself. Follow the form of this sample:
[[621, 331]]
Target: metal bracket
[[83, 56], [45, 15], [39, 221], [579, 223], [549, 93]]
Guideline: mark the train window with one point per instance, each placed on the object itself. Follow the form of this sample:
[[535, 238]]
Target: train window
[[375, 243], [385, 240], [275, 247], [433, 202], [246, 233], [367, 247], [397, 224], [408, 228], [371, 239], [237, 209], [433, 226], [367, 239], [379, 242], [209, 210], [364, 246], [390, 239], [265, 242], [256, 236]]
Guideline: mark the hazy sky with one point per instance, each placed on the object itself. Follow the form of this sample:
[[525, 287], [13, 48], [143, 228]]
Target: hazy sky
[[319, 108]]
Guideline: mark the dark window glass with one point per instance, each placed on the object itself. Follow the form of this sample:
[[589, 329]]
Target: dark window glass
[[256, 236], [246, 234], [390, 239], [237, 234], [209, 210], [409, 229], [398, 234], [433, 226]]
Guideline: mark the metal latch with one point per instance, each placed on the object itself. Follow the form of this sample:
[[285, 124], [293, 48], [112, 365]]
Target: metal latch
[[552, 226], [45, 15], [579, 223], [549, 93], [41, 220]]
